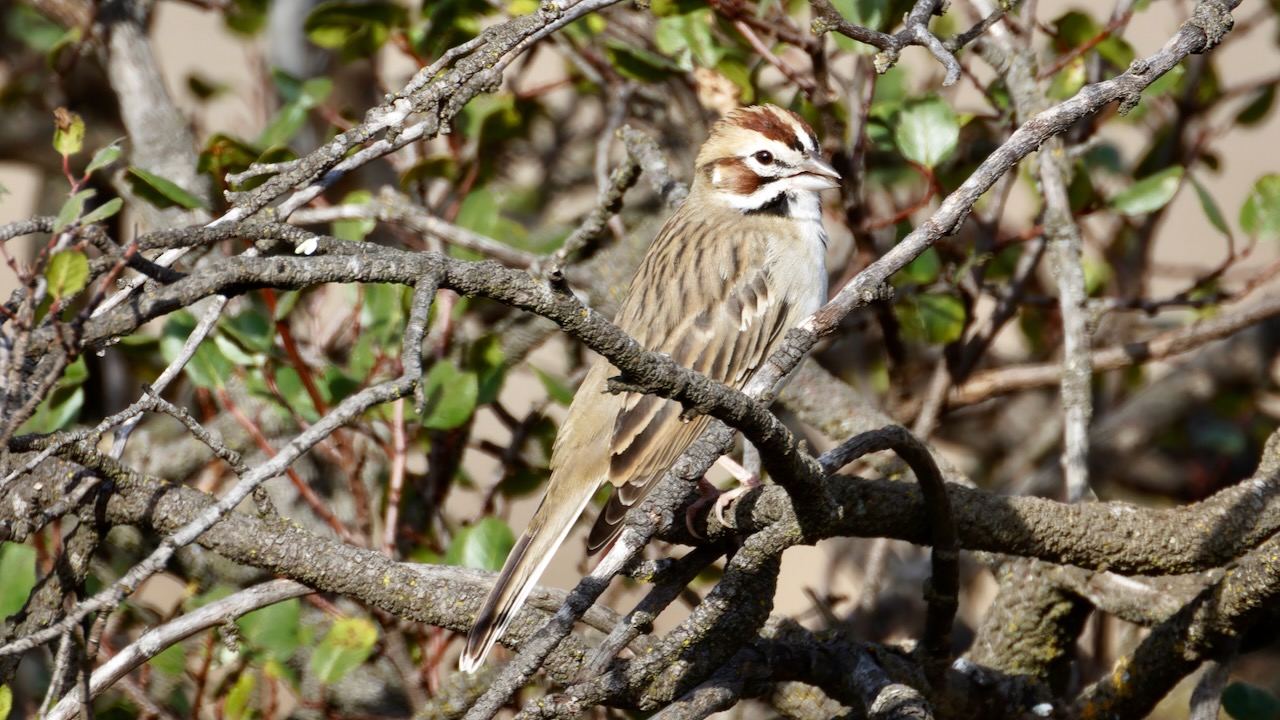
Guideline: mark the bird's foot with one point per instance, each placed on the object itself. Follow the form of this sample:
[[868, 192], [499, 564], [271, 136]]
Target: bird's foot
[[719, 499]]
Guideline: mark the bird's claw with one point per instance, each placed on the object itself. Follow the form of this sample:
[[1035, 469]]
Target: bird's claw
[[721, 498]]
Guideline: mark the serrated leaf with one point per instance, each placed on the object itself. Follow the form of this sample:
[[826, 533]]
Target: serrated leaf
[[1243, 701], [161, 192], [71, 210], [67, 274], [347, 644], [18, 568], [1260, 214], [274, 629], [1150, 193], [927, 132], [451, 396], [68, 132], [103, 158], [103, 211], [1210, 207], [484, 545]]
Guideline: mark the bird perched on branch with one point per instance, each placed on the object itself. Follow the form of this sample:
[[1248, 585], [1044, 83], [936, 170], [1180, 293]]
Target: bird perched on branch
[[740, 263]]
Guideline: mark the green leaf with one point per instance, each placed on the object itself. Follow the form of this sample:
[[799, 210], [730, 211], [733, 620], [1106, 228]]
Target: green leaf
[[1260, 214], [1117, 52], [224, 154], [286, 123], [68, 132], [55, 413], [932, 318], [478, 212], [355, 230], [6, 701], [451, 396], [1068, 81], [62, 406], [246, 17], [18, 568], [687, 38], [71, 210], [347, 644], [486, 356], [1243, 701], [556, 390], [274, 629], [67, 274], [1210, 207], [664, 8], [337, 385], [1074, 29], [484, 545], [295, 394], [867, 13], [208, 368], [103, 158], [638, 63], [358, 30], [923, 270], [251, 329], [240, 700], [1148, 194], [103, 211], [161, 192], [171, 661], [927, 132], [383, 312], [28, 26], [1258, 107]]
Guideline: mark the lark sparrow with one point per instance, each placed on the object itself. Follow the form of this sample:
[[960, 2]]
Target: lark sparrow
[[740, 263]]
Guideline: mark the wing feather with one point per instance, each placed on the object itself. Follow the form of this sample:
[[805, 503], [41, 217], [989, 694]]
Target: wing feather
[[724, 331]]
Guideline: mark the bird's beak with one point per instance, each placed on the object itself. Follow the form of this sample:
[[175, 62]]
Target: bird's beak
[[820, 174]]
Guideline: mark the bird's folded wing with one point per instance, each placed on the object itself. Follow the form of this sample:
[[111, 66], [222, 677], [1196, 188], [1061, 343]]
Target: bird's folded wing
[[724, 330]]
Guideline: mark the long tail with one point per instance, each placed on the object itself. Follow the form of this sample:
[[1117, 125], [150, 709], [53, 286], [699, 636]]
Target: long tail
[[564, 502]]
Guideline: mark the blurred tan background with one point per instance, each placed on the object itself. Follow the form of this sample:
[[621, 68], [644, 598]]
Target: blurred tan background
[[191, 42]]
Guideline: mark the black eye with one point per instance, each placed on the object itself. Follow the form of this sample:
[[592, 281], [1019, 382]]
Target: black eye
[[764, 157]]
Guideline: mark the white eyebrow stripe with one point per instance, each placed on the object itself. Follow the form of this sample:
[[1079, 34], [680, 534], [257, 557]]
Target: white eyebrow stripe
[[802, 133]]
